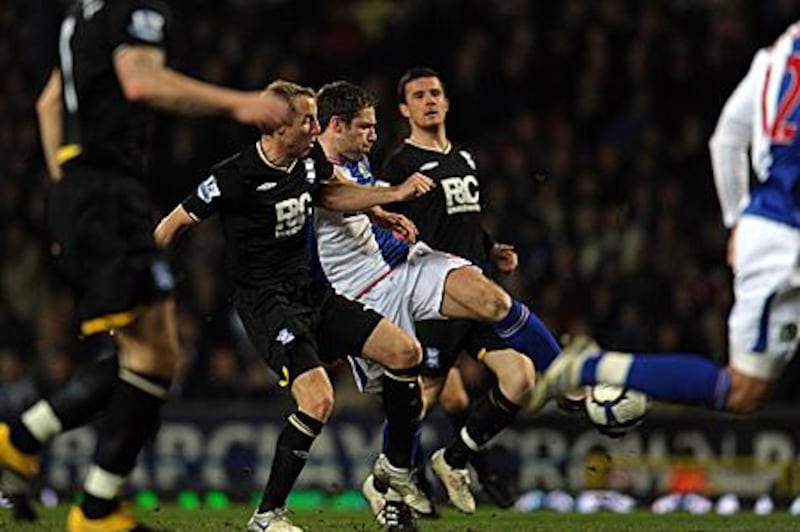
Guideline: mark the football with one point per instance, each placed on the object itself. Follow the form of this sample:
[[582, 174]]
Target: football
[[615, 410]]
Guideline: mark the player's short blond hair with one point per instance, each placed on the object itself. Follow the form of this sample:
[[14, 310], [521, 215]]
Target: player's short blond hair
[[288, 91]]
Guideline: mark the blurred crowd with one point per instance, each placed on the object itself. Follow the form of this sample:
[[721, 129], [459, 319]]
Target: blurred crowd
[[589, 121]]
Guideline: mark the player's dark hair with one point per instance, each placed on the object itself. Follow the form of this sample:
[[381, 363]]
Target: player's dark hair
[[342, 99], [412, 74]]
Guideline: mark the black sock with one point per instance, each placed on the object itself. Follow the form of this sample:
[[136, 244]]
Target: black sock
[[131, 418], [86, 393], [22, 438], [493, 413], [402, 404], [291, 454], [458, 418]]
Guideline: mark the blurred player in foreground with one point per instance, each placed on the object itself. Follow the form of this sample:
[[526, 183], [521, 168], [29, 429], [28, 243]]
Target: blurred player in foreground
[[94, 118]]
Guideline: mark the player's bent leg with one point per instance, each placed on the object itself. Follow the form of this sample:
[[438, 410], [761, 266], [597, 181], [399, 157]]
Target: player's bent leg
[[470, 294], [148, 350]]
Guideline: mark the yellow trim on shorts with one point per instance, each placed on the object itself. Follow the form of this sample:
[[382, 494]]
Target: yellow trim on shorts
[[67, 152], [110, 321], [482, 354]]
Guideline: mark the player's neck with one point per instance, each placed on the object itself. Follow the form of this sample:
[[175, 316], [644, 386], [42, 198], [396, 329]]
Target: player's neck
[[434, 140], [329, 148], [273, 156]]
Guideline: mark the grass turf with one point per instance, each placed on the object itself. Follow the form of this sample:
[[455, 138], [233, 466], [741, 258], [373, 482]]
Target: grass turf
[[172, 518]]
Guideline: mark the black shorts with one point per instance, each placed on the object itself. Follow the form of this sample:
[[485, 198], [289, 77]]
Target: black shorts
[[442, 342], [101, 224], [299, 325]]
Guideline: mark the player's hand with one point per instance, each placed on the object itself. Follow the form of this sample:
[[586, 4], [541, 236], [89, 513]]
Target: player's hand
[[398, 224], [730, 250], [504, 257], [415, 186], [261, 109]]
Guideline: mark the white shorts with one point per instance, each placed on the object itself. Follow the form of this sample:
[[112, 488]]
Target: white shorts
[[763, 324], [412, 291]]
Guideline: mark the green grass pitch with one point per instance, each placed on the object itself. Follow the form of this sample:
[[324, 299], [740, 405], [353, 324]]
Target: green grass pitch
[[172, 518]]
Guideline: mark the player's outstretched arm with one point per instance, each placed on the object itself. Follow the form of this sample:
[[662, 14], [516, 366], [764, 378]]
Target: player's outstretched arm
[[341, 195], [172, 225], [144, 77], [49, 113]]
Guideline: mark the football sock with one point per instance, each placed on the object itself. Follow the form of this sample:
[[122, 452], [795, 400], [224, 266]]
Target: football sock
[[525, 332], [458, 418], [291, 454], [676, 377], [402, 404], [131, 418], [84, 395], [491, 414]]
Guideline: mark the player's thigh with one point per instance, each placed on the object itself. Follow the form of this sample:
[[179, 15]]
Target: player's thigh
[[470, 294], [150, 344], [345, 327], [281, 332], [426, 277], [763, 324], [101, 223]]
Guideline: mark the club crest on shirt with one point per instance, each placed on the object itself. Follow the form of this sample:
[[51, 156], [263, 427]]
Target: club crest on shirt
[[208, 189], [311, 173]]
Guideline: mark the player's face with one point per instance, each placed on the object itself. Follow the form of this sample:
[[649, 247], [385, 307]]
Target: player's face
[[303, 127], [360, 134], [426, 105]]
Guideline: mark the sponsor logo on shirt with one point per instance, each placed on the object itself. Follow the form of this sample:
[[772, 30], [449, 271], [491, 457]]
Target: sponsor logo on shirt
[[461, 194], [291, 215]]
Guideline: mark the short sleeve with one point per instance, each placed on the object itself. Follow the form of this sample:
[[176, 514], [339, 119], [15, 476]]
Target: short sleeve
[[211, 194], [394, 171], [142, 22]]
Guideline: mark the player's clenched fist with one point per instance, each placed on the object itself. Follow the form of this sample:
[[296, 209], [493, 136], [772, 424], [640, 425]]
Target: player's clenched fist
[[415, 186], [263, 110]]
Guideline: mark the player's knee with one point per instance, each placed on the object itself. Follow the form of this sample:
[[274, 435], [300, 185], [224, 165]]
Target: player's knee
[[406, 353], [496, 303], [454, 400], [319, 405]]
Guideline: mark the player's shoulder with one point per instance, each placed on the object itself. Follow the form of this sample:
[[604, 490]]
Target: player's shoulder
[[237, 162]]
